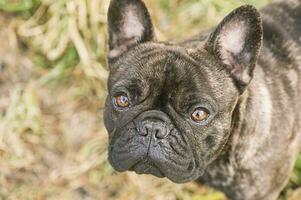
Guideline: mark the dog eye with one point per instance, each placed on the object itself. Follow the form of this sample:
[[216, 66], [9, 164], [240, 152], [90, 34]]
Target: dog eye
[[200, 115], [121, 102]]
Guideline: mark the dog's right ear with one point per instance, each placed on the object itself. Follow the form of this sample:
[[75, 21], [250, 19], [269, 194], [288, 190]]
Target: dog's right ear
[[129, 24], [236, 43]]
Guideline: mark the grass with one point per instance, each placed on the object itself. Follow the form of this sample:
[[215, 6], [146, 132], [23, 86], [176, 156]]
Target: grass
[[53, 83]]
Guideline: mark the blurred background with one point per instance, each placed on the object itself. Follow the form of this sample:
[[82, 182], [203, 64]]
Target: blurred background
[[52, 87]]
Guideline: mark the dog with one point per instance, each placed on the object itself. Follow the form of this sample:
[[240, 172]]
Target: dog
[[222, 108]]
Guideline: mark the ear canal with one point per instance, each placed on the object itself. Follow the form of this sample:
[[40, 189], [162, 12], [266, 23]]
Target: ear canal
[[236, 42], [129, 24]]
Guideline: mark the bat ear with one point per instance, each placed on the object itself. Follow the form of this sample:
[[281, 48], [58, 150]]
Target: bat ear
[[236, 42], [129, 24]]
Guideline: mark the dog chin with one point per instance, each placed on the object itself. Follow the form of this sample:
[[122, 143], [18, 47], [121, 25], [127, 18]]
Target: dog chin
[[146, 167]]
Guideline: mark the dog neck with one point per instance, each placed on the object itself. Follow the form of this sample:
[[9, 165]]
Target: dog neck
[[246, 136]]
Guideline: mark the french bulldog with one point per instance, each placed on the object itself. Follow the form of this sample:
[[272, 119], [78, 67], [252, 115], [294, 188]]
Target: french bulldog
[[222, 108]]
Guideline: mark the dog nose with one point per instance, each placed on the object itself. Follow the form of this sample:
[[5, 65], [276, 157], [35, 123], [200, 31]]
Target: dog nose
[[155, 123], [155, 128]]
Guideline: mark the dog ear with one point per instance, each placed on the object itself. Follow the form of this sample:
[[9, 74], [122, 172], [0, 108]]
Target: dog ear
[[236, 42], [129, 24]]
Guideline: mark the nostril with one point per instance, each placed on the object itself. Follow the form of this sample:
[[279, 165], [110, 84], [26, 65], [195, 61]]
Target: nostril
[[160, 133], [144, 131], [157, 129]]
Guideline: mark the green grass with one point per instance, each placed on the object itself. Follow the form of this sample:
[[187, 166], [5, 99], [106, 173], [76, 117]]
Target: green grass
[[52, 141]]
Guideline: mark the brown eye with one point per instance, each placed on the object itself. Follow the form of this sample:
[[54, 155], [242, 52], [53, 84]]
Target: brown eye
[[199, 115], [121, 101]]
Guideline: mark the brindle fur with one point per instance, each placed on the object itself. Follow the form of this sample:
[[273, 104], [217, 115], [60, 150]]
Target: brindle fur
[[249, 147]]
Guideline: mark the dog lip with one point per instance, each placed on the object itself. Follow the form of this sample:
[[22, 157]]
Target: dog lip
[[147, 166]]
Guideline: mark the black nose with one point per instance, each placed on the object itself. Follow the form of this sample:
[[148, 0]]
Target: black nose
[[155, 128], [155, 123]]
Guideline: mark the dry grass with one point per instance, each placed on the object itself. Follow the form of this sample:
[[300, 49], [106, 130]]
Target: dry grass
[[52, 86]]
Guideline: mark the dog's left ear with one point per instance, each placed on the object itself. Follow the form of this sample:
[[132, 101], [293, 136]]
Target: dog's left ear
[[236, 42], [129, 24]]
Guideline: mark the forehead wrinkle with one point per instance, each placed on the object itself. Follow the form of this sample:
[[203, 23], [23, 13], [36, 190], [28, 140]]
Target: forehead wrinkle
[[146, 69], [139, 63], [201, 64], [197, 73], [217, 75], [137, 54], [152, 65]]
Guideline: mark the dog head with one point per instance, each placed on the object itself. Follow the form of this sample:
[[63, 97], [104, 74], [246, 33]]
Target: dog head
[[169, 108]]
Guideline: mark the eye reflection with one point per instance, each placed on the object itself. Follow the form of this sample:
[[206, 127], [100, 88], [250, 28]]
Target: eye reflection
[[121, 102], [200, 115]]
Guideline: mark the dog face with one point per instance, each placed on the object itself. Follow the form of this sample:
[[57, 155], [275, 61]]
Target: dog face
[[169, 108]]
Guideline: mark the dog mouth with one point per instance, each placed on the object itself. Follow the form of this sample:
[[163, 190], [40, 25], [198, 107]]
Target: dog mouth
[[145, 166], [180, 175], [169, 156], [177, 169]]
